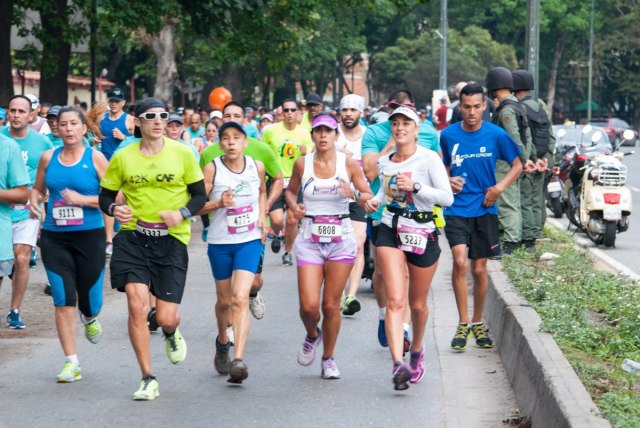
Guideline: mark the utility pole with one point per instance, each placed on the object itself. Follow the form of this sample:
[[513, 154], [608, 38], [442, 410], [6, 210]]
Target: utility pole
[[444, 26], [532, 43], [590, 72], [92, 49]]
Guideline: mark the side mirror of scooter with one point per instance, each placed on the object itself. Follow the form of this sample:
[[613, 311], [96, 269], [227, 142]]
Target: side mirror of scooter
[[597, 136], [561, 133], [628, 135], [585, 130]]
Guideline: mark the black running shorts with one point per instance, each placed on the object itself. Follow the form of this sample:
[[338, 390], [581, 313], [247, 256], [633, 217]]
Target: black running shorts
[[386, 237], [480, 234], [160, 263]]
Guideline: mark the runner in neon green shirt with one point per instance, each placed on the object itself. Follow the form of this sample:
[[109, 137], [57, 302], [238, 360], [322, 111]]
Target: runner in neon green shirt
[[163, 185]]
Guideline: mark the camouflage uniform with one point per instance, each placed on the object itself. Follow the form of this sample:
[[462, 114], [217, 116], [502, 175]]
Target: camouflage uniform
[[511, 214], [539, 179]]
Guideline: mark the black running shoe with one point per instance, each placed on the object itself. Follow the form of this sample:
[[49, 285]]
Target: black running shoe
[[152, 322]]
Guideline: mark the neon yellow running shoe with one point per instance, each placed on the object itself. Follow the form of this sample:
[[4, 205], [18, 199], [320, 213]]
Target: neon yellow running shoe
[[70, 373], [463, 333], [176, 347], [481, 334], [93, 331], [148, 390]]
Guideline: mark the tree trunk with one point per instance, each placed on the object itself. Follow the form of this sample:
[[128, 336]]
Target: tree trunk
[[6, 79], [553, 75], [163, 47], [56, 52], [233, 81]]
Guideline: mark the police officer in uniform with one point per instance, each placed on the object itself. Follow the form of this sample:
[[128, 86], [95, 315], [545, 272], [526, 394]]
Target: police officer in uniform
[[514, 207], [544, 142]]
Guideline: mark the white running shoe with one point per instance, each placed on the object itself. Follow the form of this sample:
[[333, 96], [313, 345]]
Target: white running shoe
[[307, 352], [256, 306], [330, 369]]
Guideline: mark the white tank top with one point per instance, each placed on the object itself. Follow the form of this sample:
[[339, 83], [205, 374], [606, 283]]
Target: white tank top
[[237, 224], [322, 196], [354, 146]]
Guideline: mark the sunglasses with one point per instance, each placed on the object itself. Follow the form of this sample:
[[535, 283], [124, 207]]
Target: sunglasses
[[289, 110], [152, 115], [396, 105]]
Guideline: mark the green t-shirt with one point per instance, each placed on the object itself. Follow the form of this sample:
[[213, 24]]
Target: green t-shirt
[[306, 122], [255, 149], [285, 144], [154, 183]]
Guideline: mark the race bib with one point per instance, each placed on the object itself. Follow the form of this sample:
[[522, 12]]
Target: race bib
[[412, 239], [152, 229], [240, 219], [326, 229], [67, 214]]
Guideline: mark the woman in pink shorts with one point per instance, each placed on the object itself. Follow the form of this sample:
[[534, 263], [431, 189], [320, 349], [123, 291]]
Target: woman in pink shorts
[[325, 248]]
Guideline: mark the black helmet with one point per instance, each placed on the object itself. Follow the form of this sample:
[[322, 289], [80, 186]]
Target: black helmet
[[522, 80], [498, 78]]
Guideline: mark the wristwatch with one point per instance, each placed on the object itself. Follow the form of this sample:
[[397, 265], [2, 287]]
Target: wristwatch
[[185, 212], [416, 187]]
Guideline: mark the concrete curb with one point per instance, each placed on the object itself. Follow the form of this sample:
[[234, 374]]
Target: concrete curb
[[586, 245], [544, 383]]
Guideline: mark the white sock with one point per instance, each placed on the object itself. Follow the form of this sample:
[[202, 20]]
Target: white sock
[[84, 319], [73, 359], [477, 323], [381, 313], [406, 326]]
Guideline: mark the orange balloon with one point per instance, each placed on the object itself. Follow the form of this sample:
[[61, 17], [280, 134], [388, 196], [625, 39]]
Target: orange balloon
[[219, 97]]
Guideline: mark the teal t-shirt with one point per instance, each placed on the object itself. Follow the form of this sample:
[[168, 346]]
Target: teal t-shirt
[[252, 130], [255, 149], [195, 134], [56, 141], [32, 146], [13, 173], [377, 136]]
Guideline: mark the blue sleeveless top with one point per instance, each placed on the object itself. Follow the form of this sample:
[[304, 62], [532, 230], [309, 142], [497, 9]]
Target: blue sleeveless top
[[107, 126], [81, 177]]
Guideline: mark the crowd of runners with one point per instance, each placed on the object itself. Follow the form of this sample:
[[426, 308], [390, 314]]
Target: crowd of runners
[[322, 183]]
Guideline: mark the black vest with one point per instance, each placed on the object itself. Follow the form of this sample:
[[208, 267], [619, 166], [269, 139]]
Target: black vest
[[539, 125]]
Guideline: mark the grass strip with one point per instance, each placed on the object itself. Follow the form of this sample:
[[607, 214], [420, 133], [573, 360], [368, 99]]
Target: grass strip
[[594, 317]]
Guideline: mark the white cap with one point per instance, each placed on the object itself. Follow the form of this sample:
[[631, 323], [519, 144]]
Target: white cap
[[35, 102], [215, 114], [408, 112], [352, 101]]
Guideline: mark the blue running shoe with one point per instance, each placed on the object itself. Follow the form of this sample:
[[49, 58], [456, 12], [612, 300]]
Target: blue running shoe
[[382, 335], [14, 320]]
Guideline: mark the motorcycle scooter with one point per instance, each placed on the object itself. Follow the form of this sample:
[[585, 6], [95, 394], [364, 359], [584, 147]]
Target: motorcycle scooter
[[601, 203]]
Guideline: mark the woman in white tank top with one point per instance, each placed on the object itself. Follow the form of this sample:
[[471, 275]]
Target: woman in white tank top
[[326, 242], [237, 199]]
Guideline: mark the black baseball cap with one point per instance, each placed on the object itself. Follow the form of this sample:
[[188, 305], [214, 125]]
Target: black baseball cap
[[227, 125], [313, 98], [115, 94]]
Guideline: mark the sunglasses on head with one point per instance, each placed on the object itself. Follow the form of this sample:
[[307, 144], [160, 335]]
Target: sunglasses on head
[[152, 115], [289, 110], [393, 105]]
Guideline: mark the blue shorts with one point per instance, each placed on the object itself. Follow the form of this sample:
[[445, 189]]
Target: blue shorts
[[225, 258]]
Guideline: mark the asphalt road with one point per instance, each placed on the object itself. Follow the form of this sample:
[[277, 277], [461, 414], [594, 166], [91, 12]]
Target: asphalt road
[[459, 390]]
